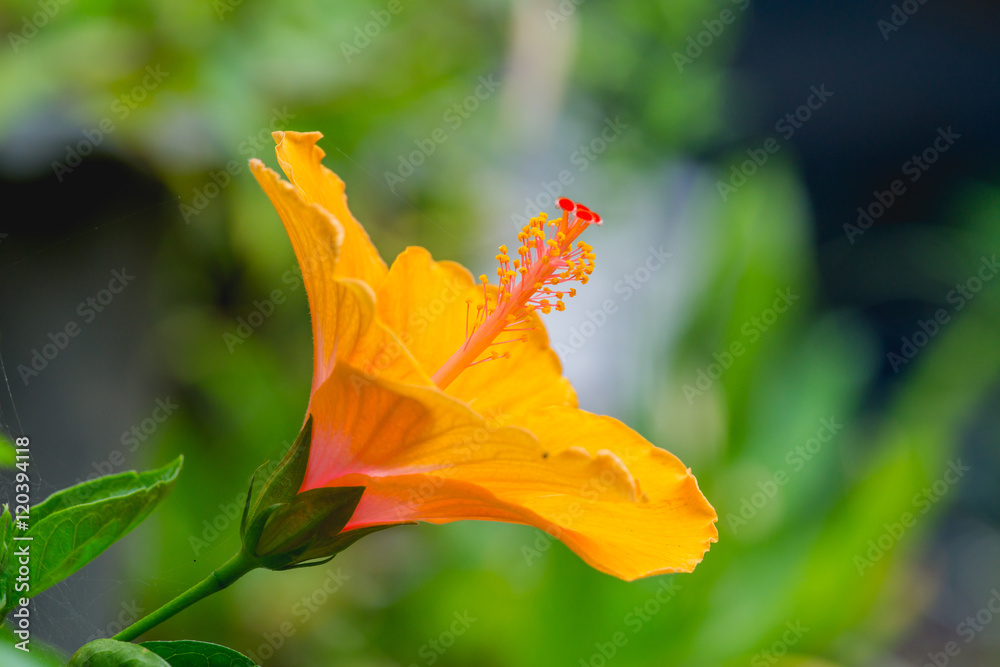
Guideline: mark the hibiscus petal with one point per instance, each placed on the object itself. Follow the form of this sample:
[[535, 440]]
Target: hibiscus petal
[[429, 304], [301, 160], [372, 425], [626, 507], [343, 310], [669, 532], [626, 540]]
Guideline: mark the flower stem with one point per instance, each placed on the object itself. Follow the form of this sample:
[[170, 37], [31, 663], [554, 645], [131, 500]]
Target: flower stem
[[228, 573]]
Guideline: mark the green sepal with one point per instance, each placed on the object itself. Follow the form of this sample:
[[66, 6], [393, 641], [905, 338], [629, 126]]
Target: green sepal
[[250, 497], [113, 653], [189, 653], [105, 488], [284, 483], [312, 515]]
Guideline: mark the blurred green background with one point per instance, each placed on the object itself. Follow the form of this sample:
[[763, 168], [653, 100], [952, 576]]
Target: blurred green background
[[739, 138]]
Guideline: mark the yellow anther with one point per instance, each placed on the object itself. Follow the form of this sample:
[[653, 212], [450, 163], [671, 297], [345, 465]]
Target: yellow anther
[[544, 258]]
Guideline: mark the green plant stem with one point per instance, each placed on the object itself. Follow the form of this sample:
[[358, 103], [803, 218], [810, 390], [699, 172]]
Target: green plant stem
[[228, 573]]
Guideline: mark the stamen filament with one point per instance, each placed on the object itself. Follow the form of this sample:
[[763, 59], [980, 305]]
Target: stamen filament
[[524, 285]]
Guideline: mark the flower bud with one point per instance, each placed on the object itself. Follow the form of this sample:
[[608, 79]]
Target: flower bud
[[283, 528]]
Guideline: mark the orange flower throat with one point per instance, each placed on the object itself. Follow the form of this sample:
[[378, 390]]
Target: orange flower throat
[[547, 259]]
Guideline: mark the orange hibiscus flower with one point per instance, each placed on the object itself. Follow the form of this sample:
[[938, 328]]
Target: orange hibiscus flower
[[442, 398]]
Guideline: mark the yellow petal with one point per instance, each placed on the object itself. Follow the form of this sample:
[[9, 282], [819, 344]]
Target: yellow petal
[[627, 508], [372, 425], [425, 303], [391, 499], [301, 160], [342, 310]]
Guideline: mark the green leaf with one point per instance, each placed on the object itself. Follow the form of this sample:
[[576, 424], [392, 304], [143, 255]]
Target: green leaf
[[189, 653], [314, 514], [7, 454], [113, 653], [74, 526]]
